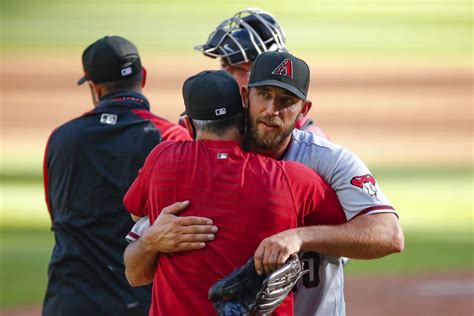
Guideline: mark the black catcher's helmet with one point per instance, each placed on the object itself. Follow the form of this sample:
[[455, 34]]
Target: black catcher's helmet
[[244, 36]]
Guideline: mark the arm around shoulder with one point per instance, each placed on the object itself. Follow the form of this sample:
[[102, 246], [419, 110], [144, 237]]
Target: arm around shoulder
[[169, 233], [364, 237]]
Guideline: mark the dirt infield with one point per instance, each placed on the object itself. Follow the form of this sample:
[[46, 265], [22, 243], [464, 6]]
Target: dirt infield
[[387, 114], [433, 295]]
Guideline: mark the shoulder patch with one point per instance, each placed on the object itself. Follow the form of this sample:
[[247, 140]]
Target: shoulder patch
[[367, 183]]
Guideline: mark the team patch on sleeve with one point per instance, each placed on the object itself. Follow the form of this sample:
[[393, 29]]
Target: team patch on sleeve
[[366, 183]]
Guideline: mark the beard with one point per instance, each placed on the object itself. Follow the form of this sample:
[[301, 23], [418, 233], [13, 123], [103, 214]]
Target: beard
[[266, 140]]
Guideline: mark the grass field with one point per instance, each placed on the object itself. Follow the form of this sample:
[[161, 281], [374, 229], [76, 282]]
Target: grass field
[[25, 254], [435, 210], [357, 28]]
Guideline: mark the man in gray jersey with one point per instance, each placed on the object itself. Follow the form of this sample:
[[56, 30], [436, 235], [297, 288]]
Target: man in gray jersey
[[275, 99]]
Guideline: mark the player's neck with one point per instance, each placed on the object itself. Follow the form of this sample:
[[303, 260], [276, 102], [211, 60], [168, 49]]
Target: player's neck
[[230, 135], [275, 153]]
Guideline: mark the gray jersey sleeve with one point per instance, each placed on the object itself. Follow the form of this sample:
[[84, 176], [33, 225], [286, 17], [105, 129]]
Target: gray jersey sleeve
[[354, 184]]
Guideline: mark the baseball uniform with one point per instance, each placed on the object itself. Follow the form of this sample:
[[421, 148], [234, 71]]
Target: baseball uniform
[[321, 292], [249, 197]]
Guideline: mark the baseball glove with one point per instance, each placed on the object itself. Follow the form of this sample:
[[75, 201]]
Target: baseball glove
[[244, 292]]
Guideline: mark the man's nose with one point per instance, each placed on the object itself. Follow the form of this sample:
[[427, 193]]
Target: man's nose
[[272, 108]]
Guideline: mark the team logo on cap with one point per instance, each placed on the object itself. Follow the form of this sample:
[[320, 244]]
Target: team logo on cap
[[221, 111], [366, 183], [126, 71], [284, 69]]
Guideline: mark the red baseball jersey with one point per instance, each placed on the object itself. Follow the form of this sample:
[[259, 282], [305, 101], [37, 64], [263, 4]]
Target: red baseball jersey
[[249, 197]]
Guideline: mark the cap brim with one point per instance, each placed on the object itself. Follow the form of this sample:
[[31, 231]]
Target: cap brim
[[184, 113], [82, 80], [279, 84]]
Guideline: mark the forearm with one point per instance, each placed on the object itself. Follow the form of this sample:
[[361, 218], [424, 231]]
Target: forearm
[[364, 237], [140, 263]]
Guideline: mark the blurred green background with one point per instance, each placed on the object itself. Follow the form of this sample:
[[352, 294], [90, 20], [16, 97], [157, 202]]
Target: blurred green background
[[431, 190]]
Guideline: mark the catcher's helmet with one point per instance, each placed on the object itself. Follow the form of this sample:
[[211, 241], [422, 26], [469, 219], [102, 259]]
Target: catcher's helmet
[[244, 36]]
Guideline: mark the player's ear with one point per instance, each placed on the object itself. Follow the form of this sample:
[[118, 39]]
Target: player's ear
[[143, 77], [189, 126], [244, 92], [305, 108], [96, 92]]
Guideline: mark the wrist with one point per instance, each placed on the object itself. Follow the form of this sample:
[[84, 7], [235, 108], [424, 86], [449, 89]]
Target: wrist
[[301, 237], [147, 243], [309, 238]]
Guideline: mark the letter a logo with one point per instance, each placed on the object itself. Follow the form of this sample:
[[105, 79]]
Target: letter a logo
[[284, 69]]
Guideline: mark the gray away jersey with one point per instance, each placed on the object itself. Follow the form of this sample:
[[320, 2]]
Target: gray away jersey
[[321, 291]]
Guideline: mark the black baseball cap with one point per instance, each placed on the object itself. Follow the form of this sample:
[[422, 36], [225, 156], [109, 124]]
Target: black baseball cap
[[111, 58], [283, 70], [211, 95]]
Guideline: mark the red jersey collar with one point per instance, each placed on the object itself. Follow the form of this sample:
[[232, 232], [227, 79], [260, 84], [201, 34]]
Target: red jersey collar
[[221, 143]]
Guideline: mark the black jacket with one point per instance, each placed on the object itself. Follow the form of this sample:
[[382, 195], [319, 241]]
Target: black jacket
[[89, 164]]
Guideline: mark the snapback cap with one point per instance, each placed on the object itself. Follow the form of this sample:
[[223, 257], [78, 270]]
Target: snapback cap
[[281, 69], [111, 58], [211, 95]]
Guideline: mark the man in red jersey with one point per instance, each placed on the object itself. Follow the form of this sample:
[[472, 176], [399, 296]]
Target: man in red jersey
[[249, 197]]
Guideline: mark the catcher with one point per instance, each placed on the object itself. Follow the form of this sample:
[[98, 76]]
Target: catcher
[[248, 196]]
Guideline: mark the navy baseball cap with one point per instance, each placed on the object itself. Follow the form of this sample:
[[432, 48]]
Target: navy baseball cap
[[111, 58], [281, 69], [211, 95]]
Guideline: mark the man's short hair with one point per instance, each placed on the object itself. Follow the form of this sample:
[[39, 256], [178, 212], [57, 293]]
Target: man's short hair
[[219, 126]]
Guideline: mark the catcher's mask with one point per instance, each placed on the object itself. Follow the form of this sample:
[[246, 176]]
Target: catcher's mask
[[244, 36]]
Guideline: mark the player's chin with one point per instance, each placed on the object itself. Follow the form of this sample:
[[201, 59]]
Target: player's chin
[[268, 140]]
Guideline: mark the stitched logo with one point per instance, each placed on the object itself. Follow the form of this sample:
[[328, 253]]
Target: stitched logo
[[222, 156], [126, 71], [284, 69], [221, 111], [110, 119], [366, 183]]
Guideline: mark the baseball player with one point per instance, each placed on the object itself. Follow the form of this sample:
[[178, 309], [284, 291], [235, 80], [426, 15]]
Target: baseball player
[[248, 196], [237, 41], [89, 164], [372, 230]]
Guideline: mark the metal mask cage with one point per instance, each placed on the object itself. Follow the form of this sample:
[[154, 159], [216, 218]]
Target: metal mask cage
[[226, 31]]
